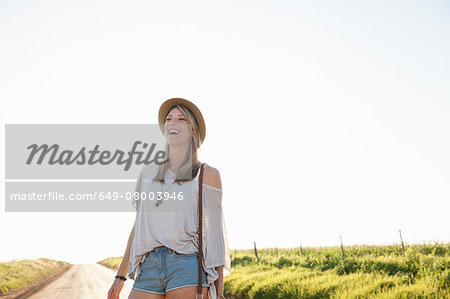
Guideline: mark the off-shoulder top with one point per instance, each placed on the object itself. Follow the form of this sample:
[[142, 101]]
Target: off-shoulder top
[[174, 224]]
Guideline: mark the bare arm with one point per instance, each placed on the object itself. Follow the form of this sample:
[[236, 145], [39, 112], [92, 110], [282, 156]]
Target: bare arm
[[219, 281], [124, 265], [117, 285]]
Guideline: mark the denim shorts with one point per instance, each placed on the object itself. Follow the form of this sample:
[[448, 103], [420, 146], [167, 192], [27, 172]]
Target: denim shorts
[[164, 270]]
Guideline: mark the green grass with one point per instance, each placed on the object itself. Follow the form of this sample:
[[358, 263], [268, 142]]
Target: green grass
[[111, 262], [322, 272], [16, 275], [366, 271]]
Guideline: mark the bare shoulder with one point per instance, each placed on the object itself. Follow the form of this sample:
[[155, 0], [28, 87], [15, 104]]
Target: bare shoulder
[[212, 177]]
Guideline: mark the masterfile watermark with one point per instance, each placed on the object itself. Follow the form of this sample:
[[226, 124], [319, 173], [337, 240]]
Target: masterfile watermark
[[68, 157], [84, 167]]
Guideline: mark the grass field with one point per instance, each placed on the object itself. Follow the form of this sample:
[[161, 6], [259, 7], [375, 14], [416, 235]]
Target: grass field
[[16, 275], [366, 271]]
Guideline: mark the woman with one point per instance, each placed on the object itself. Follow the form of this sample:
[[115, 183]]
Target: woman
[[162, 250]]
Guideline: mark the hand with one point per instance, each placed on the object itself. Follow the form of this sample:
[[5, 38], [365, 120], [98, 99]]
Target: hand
[[115, 289]]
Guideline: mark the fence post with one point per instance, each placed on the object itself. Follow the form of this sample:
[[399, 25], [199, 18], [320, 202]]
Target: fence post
[[276, 251], [301, 248], [401, 239], [342, 246], [256, 251]]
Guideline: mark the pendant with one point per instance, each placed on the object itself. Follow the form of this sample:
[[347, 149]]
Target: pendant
[[158, 201]]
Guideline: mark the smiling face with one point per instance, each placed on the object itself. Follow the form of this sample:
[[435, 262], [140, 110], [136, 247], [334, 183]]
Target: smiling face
[[176, 129]]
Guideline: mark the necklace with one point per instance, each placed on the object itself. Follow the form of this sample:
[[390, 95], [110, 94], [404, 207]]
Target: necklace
[[159, 198]]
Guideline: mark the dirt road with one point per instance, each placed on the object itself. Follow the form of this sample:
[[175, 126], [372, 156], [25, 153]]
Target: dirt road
[[83, 281]]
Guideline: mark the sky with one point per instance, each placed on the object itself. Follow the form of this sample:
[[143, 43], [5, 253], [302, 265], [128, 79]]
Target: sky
[[323, 118]]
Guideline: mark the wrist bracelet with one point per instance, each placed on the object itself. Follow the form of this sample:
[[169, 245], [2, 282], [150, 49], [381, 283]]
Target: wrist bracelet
[[121, 277], [221, 296]]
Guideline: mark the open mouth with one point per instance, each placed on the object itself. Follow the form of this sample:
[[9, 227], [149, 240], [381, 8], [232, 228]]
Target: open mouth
[[173, 132]]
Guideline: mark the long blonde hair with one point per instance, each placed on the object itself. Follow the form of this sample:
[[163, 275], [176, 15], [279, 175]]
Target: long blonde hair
[[189, 167]]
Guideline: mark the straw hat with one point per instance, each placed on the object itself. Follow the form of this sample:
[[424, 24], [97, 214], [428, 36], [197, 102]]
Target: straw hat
[[167, 105]]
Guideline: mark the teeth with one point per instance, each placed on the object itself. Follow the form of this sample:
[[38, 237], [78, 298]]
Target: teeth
[[173, 131]]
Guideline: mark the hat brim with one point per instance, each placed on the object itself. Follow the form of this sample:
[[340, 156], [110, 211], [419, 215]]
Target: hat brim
[[167, 105]]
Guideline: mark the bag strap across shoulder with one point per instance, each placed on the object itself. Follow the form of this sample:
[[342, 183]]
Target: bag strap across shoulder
[[200, 232]]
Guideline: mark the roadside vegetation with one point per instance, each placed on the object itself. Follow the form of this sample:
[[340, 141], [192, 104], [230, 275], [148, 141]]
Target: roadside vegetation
[[16, 275]]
